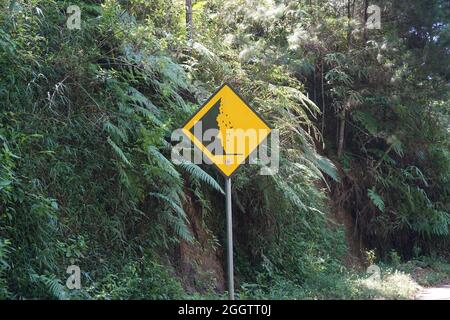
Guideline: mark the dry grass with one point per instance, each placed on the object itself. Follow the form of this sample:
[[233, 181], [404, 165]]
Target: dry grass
[[391, 285]]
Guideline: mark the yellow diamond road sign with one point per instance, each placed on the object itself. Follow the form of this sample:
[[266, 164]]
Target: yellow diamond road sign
[[226, 129]]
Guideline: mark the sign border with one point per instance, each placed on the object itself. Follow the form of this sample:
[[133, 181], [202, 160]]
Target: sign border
[[203, 105]]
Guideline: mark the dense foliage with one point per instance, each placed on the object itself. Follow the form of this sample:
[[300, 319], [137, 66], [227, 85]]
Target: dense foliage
[[86, 118]]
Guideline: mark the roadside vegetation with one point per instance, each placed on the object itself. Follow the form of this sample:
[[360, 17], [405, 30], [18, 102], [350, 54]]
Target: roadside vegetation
[[86, 118]]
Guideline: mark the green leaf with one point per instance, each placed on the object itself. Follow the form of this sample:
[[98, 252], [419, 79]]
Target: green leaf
[[119, 151], [197, 173], [376, 199]]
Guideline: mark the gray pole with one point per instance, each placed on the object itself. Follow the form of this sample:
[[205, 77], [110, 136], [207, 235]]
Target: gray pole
[[229, 239]]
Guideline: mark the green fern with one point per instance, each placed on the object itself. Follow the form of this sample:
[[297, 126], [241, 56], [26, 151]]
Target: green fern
[[367, 120], [115, 132], [177, 222], [138, 99], [376, 199], [327, 166], [53, 284], [157, 157], [197, 173], [119, 152]]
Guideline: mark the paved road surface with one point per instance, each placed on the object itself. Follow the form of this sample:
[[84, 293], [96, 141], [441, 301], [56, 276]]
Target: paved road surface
[[437, 293]]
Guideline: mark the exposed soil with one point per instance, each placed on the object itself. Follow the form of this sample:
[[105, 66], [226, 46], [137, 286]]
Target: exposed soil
[[199, 264], [353, 257]]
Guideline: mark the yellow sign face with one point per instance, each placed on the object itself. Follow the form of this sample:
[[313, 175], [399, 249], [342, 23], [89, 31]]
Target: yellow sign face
[[226, 129]]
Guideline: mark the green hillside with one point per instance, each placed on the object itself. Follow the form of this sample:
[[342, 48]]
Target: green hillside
[[86, 123]]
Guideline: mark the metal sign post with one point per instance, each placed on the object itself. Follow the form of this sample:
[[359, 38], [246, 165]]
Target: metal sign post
[[229, 239]]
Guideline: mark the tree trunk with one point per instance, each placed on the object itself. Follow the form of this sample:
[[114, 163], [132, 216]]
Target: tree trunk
[[342, 114], [341, 133], [189, 20], [366, 6], [323, 103]]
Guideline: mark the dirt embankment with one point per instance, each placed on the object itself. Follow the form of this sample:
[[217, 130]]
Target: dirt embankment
[[200, 263]]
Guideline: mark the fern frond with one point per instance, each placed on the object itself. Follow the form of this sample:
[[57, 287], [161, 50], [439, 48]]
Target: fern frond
[[327, 166], [53, 284], [175, 206], [376, 199], [115, 132], [367, 120], [178, 225], [179, 221], [156, 156], [138, 99], [118, 151], [197, 173]]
